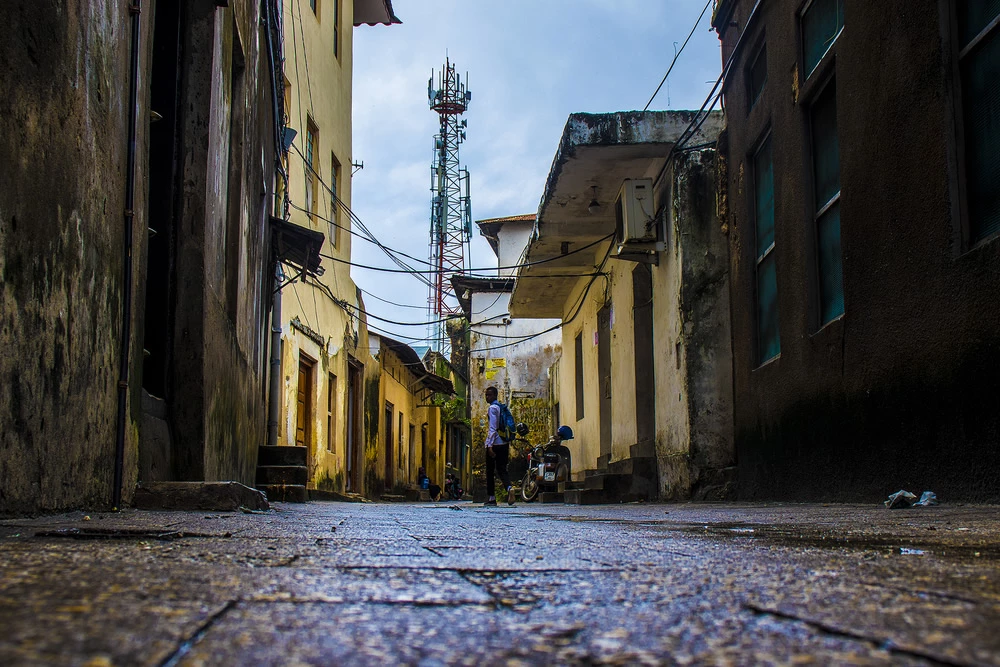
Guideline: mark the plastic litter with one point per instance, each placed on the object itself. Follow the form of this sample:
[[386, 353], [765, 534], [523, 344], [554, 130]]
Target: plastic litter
[[902, 499]]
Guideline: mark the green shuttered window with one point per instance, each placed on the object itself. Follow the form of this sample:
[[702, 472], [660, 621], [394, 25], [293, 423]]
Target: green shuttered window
[[768, 339], [822, 21], [826, 183], [979, 62]]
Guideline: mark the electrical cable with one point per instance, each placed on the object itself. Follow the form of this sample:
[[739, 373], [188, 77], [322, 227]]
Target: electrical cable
[[388, 249], [579, 308], [391, 303], [677, 55]]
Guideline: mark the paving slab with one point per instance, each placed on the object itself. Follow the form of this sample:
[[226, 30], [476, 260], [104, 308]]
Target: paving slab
[[434, 583]]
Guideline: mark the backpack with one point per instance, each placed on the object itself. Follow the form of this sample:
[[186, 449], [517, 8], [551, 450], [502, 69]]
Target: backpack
[[506, 426]]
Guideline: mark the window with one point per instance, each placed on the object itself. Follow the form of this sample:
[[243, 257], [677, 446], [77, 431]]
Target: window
[[822, 21], [336, 28], [979, 64], [826, 188], [757, 77], [331, 412], [312, 178], [334, 193], [578, 369], [768, 339], [313, 6]]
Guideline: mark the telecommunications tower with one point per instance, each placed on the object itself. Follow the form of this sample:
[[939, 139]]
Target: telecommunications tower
[[451, 209]]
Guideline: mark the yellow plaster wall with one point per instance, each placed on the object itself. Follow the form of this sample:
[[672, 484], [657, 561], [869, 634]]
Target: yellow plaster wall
[[319, 89]]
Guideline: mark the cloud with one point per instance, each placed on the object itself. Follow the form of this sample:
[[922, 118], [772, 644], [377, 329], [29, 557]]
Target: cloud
[[530, 64]]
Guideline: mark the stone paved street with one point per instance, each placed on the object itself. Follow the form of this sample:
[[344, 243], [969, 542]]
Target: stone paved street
[[429, 584]]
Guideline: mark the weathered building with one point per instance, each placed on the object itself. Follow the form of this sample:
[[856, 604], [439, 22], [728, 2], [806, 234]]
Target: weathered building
[[644, 380], [150, 229], [408, 429], [862, 188], [324, 347], [514, 355]]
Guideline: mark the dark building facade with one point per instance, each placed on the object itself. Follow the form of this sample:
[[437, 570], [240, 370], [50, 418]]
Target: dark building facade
[[863, 204], [197, 201]]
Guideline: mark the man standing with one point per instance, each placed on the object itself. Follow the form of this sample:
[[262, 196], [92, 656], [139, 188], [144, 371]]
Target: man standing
[[497, 452]]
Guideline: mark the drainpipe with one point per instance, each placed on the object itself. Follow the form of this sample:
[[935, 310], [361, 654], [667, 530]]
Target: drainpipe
[[125, 346], [273, 397]]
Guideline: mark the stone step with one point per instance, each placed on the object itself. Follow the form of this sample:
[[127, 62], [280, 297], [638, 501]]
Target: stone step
[[392, 498], [586, 497], [281, 456], [644, 466], [294, 475], [552, 497], [287, 493]]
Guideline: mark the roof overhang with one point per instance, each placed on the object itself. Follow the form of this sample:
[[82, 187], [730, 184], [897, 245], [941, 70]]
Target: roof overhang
[[463, 284], [297, 246], [374, 12], [426, 382], [490, 228], [596, 154]]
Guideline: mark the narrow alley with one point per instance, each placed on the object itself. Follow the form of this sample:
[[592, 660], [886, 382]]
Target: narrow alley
[[432, 584]]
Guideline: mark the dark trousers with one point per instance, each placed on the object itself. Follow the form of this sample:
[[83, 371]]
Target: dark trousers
[[497, 465]]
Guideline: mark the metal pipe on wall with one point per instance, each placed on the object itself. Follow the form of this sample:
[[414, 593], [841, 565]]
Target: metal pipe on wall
[[135, 10], [274, 377]]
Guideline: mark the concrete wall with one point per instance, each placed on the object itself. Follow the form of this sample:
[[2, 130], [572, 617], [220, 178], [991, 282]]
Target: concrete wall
[[63, 122], [63, 125], [519, 371], [216, 384], [320, 91], [511, 242], [901, 391]]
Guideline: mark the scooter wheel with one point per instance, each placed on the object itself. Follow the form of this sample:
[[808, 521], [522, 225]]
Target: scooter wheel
[[529, 487]]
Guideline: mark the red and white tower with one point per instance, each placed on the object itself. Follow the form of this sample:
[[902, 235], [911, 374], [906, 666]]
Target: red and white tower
[[451, 209]]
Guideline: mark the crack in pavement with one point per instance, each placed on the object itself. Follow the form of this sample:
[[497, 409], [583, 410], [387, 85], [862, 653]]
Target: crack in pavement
[[186, 646]]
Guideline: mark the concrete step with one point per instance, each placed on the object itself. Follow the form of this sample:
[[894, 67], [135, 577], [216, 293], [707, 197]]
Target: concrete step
[[295, 475], [392, 498], [552, 497], [287, 493], [586, 497], [215, 496], [644, 466], [281, 456]]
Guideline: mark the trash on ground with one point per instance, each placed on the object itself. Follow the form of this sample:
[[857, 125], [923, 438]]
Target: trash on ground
[[900, 499], [903, 498]]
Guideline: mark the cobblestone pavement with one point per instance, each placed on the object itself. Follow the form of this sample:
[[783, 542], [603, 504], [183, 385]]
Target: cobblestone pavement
[[430, 584]]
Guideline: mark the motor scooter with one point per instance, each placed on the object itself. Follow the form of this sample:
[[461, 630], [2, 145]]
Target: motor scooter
[[548, 465]]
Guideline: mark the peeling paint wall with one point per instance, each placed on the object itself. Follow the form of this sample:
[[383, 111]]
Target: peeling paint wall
[[519, 371], [63, 127]]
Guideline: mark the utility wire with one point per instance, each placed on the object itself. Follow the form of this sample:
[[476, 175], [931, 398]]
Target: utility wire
[[370, 239], [391, 303], [677, 55]]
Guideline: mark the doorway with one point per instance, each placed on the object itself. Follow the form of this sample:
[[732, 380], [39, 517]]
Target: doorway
[[604, 378], [642, 308], [389, 467], [355, 442], [304, 407], [163, 174]]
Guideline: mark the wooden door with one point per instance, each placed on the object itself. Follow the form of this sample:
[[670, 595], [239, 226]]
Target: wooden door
[[303, 412]]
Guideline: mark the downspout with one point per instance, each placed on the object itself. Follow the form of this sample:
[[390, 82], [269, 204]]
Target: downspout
[[274, 377], [135, 10], [273, 397]]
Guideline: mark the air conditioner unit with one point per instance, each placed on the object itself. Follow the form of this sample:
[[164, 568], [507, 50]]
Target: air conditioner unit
[[634, 214]]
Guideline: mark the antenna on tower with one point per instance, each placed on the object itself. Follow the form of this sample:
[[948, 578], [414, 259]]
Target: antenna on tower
[[451, 208]]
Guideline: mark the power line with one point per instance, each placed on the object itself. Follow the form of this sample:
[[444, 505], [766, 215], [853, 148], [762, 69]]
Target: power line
[[391, 303], [370, 237], [677, 55]]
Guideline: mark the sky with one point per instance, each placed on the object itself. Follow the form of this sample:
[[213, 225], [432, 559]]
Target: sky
[[530, 64]]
